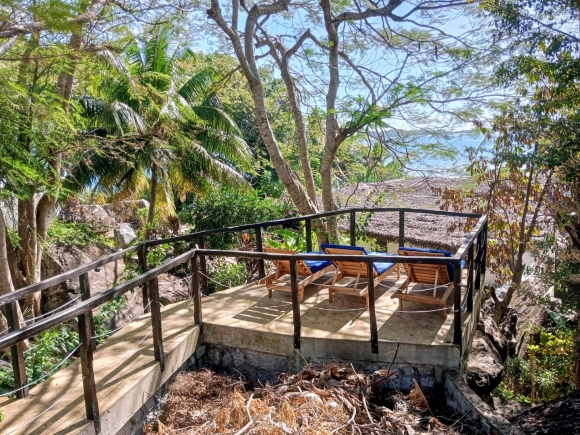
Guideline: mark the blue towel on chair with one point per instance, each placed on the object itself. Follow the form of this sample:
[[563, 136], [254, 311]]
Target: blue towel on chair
[[379, 267]]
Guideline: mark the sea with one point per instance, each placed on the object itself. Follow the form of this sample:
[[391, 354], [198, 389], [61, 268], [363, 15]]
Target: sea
[[446, 154]]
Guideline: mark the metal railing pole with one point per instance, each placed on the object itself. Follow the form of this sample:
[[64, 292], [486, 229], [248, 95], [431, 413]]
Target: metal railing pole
[[202, 268], [308, 224], [260, 248], [470, 283], [295, 302], [401, 228], [352, 228], [457, 338], [372, 312]]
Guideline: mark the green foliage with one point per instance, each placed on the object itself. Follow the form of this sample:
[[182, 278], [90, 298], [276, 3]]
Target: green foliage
[[102, 319], [547, 373], [48, 349], [288, 239], [224, 208], [225, 274], [157, 255], [69, 234]]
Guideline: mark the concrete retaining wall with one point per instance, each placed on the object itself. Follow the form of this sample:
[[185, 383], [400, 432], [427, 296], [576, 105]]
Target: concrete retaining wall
[[262, 366], [462, 400]]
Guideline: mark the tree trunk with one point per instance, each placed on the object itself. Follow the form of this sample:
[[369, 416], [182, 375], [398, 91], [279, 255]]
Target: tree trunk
[[332, 129], [6, 285], [152, 200], [300, 129], [246, 57]]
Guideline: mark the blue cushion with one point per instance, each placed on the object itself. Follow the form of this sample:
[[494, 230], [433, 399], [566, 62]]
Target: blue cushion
[[317, 265], [379, 267], [435, 251]]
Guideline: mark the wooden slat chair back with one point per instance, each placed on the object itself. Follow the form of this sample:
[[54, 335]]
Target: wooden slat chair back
[[273, 281], [356, 270], [436, 275]]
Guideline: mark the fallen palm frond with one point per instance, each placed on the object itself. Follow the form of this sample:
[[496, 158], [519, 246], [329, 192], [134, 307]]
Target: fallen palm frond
[[321, 399]]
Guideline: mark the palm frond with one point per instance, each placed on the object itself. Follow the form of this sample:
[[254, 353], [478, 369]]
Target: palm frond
[[197, 86]]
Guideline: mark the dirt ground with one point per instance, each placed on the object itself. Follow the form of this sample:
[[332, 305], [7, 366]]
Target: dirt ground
[[321, 399]]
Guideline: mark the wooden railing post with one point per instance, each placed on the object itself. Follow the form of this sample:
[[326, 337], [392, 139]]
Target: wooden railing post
[[260, 248], [352, 228], [457, 339], [308, 224], [470, 283], [295, 302], [372, 313], [196, 294], [17, 353], [202, 268], [142, 255], [156, 323], [85, 295], [401, 228], [89, 386]]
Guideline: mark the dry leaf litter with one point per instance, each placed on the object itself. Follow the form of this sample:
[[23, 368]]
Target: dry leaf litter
[[321, 399]]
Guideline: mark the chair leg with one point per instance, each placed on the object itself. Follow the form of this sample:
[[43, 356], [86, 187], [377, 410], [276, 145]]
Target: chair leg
[[301, 294], [400, 304], [330, 292], [368, 300], [270, 292], [444, 312]]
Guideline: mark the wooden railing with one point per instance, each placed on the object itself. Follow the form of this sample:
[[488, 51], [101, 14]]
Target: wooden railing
[[474, 248]]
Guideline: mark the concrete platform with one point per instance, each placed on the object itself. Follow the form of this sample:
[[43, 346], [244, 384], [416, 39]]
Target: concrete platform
[[126, 376], [245, 318]]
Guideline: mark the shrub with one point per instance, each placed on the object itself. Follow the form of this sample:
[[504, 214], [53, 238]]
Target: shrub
[[225, 274], [225, 208], [546, 374]]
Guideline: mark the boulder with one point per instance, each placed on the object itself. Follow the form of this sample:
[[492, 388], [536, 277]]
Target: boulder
[[127, 211], [560, 416], [124, 236], [59, 259], [488, 327], [525, 315], [484, 369], [95, 215]]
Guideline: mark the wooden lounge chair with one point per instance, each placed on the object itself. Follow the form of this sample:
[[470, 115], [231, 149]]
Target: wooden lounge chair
[[310, 269], [356, 270], [440, 276]]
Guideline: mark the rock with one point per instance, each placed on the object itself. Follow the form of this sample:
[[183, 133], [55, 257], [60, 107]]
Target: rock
[[488, 327], [127, 211], [172, 289], [59, 259], [525, 315], [510, 409], [95, 215], [560, 416], [124, 236], [484, 367]]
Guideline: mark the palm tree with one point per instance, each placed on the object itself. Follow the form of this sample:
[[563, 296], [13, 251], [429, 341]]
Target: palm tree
[[159, 130]]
